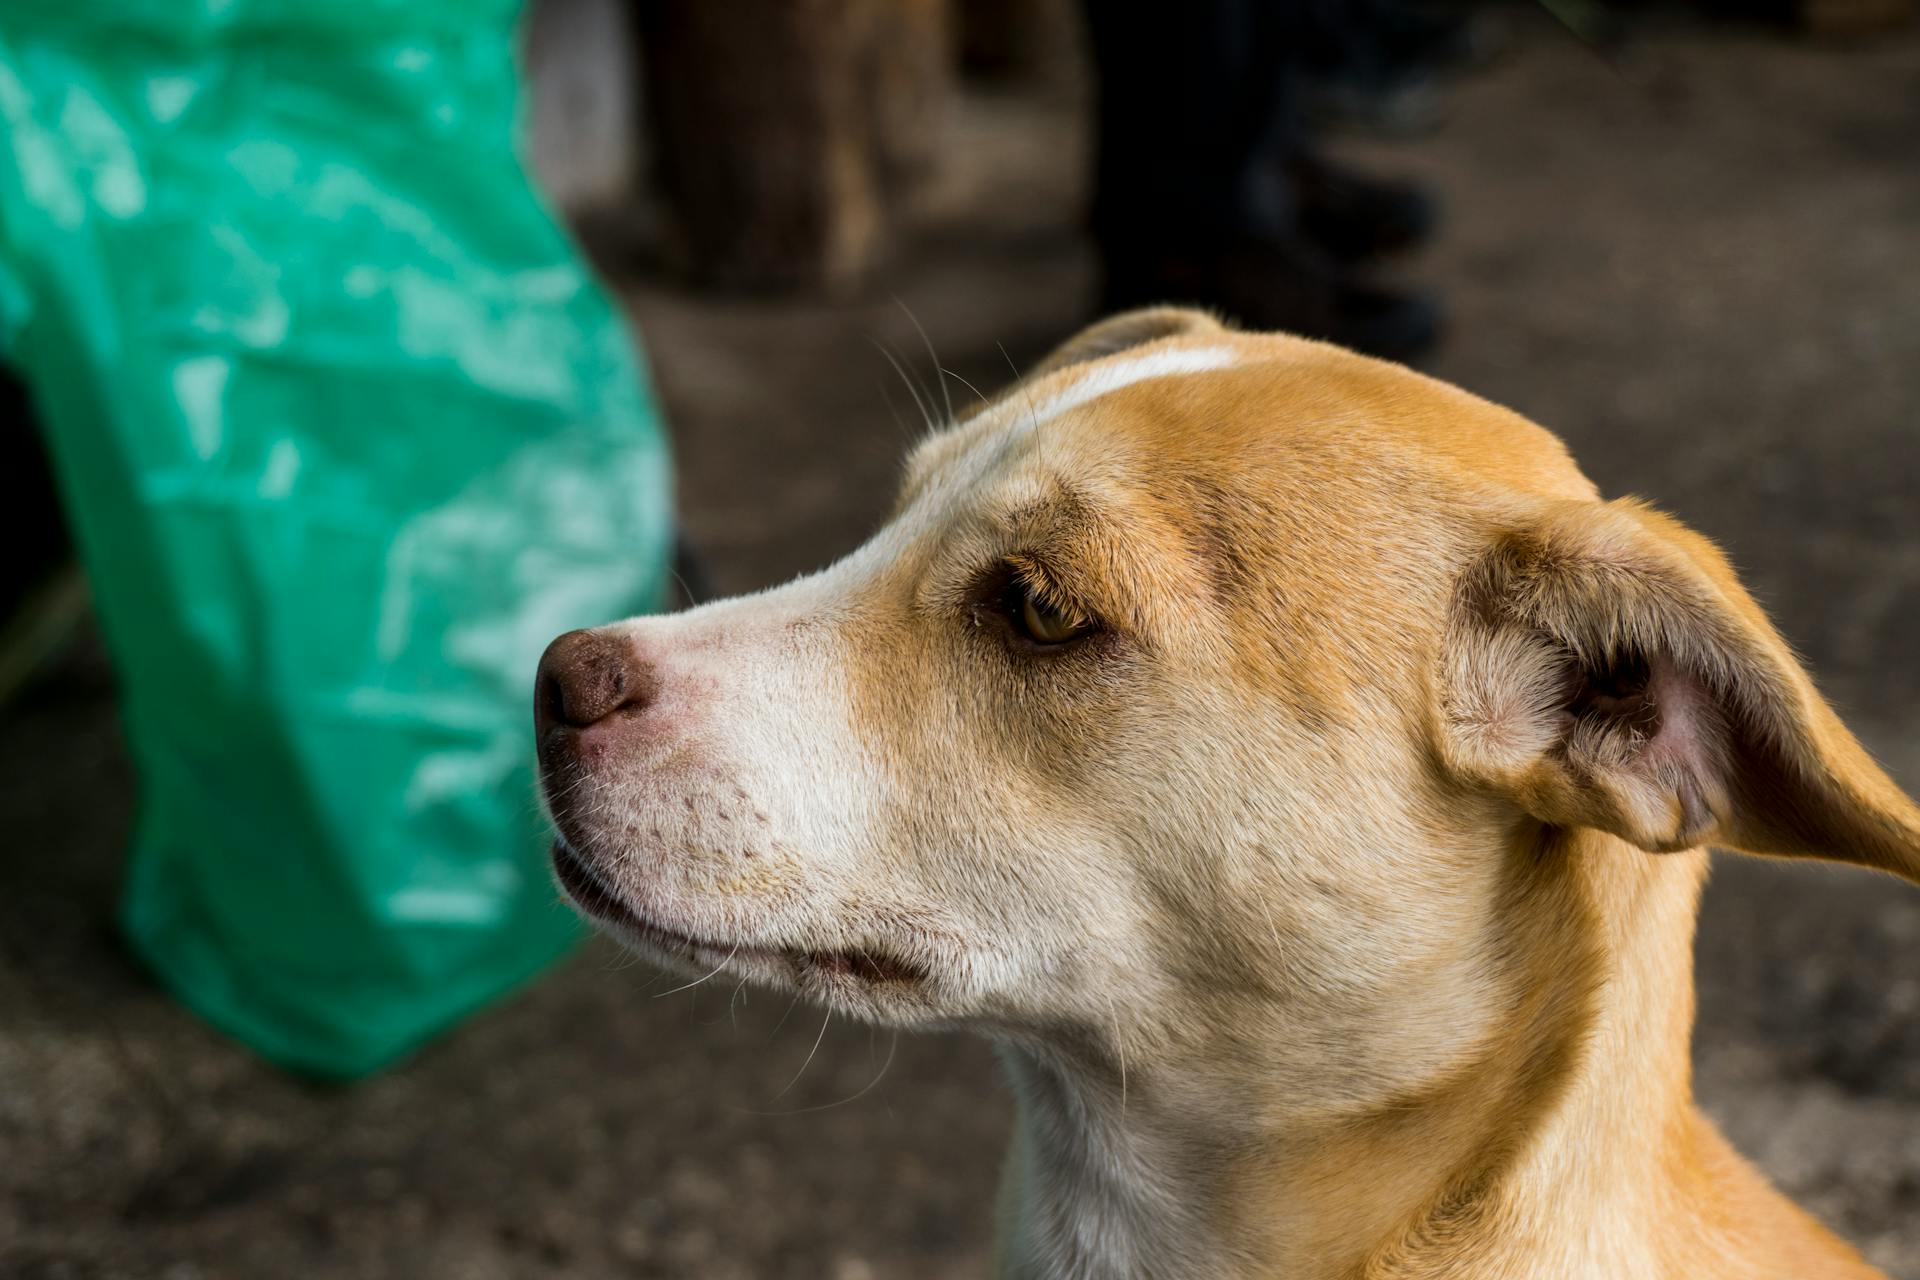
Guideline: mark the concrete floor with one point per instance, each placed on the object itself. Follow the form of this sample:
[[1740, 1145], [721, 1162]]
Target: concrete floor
[[1700, 264]]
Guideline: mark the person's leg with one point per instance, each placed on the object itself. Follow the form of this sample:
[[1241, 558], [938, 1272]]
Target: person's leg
[[1195, 190], [1188, 101], [1353, 216]]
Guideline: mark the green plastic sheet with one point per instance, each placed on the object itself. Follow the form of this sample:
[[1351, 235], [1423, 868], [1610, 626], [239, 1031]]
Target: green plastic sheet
[[347, 433]]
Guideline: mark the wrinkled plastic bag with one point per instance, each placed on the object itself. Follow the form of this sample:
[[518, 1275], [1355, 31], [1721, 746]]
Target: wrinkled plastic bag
[[347, 434]]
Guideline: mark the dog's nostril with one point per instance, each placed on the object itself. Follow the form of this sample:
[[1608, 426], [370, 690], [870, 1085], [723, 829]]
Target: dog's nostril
[[585, 676], [552, 697]]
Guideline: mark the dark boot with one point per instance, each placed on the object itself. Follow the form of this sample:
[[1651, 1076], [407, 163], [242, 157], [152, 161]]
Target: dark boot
[[1353, 216], [1283, 285]]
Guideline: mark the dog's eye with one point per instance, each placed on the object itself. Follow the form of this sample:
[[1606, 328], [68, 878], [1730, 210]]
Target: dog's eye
[[1044, 623]]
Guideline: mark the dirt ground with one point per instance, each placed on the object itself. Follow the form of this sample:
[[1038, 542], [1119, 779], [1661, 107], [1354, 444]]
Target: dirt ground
[[1700, 263]]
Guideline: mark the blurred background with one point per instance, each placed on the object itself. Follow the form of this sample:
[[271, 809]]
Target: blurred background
[[1687, 238]]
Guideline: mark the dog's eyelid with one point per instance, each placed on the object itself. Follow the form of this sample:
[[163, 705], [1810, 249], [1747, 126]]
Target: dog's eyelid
[[1044, 585], [1032, 573]]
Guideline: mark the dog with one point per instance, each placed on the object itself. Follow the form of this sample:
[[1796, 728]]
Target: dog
[[1301, 773]]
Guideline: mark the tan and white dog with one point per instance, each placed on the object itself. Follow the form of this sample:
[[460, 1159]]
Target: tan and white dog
[[1298, 769]]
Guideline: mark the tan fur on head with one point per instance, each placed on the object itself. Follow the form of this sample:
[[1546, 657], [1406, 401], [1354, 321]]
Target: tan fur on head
[[1302, 874]]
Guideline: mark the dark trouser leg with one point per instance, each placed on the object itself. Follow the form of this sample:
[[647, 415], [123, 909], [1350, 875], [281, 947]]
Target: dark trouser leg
[[1195, 101], [1195, 176]]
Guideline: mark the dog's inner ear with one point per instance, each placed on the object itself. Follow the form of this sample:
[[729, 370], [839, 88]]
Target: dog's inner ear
[[1127, 330], [1605, 669], [1639, 745]]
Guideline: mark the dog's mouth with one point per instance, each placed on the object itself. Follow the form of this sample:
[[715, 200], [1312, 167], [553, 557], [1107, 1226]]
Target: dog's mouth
[[864, 965]]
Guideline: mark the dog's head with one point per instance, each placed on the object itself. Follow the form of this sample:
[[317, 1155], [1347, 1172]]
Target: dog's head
[[1199, 667]]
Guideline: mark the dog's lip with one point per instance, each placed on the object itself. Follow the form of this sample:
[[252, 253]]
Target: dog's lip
[[584, 887], [591, 894]]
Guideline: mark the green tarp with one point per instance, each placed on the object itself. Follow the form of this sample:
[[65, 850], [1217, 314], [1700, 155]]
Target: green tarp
[[347, 433]]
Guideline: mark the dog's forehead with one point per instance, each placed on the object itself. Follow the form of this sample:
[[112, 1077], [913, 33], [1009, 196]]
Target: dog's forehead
[[1015, 426], [1261, 412]]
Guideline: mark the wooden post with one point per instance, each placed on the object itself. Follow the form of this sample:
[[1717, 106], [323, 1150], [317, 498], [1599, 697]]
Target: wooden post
[[789, 134]]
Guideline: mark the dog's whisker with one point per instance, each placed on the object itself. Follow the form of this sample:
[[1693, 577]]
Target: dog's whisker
[[1026, 392], [922, 404], [928, 343], [893, 1046], [791, 1004], [893, 410], [977, 393], [809, 1062], [659, 976], [686, 591], [731, 1015], [565, 791], [689, 986], [1001, 347]]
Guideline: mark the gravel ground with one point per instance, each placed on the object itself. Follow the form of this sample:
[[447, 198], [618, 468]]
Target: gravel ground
[[1700, 262]]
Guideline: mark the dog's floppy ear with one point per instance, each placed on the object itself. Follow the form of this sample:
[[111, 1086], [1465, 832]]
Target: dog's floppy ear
[[1128, 329], [1605, 669]]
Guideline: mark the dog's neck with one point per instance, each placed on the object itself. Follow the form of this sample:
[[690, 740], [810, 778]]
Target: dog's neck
[[1091, 1181], [1528, 1159]]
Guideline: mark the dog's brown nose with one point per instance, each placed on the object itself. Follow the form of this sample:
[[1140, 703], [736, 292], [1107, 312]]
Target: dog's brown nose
[[586, 676]]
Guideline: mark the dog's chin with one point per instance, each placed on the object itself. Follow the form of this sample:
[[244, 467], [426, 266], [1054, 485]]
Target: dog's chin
[[865, 979]]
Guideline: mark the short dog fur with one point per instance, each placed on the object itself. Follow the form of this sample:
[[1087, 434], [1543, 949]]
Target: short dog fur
[[1299, 771]]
